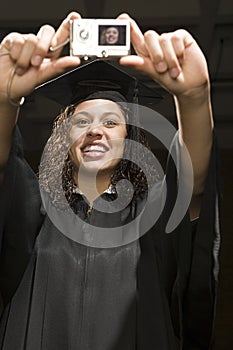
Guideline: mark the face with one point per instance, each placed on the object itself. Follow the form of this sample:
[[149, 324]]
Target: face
[[98, 133], [111, 35]]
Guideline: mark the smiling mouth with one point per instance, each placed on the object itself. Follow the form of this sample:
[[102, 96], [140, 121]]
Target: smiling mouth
[[94, 151]]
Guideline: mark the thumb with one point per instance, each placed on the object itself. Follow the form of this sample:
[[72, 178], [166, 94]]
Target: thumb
[[55, 67]]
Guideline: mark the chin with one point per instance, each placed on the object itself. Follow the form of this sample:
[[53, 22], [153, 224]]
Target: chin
[[90, 167]]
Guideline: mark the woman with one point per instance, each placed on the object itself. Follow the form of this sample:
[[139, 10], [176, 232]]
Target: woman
[[61, 294], [109, 36]]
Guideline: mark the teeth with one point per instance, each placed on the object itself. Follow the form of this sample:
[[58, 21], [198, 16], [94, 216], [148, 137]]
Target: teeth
[[97, 148]]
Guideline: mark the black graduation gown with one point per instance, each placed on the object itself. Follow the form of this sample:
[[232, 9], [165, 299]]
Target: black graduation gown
[[59, 294]]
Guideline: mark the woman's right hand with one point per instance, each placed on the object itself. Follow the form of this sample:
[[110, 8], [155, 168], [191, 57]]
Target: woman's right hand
[[32, 59]]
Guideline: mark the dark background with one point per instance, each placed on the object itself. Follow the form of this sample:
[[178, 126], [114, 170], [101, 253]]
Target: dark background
[[211, 23]]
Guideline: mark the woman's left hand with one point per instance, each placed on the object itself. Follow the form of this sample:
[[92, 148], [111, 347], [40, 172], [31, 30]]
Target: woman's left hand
[[173, 59]]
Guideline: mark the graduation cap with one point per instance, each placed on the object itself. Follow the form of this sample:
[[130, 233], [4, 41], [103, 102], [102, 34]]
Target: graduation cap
[[93, 77]]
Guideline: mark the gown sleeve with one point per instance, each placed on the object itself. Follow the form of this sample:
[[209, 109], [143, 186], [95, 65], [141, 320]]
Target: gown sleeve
[[193, 248], [20, 219]]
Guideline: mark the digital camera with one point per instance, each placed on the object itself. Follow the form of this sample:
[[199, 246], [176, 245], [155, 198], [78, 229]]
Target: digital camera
[[103, 38]]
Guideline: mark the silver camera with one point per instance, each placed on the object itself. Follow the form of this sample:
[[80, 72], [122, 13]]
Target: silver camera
[[99, 38]]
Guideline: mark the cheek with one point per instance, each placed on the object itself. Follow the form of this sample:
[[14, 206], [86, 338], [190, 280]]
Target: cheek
[[120, 133], [119, 141], [77, 135], [75, 153], [123, 132]]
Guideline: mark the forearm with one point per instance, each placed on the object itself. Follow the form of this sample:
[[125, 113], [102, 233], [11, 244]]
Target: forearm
[[21, 72], [195, 122]]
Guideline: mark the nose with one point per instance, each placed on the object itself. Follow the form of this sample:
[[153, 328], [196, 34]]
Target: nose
[[95, 130]]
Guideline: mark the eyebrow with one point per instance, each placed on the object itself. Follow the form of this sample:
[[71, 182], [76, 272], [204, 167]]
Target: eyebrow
[[81, 112], [105, 114]]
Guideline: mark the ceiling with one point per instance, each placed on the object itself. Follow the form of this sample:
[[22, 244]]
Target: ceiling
[[209, 21]]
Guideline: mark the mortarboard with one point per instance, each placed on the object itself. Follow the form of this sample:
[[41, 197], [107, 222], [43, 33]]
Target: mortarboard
[[49, 99], [98, 75]]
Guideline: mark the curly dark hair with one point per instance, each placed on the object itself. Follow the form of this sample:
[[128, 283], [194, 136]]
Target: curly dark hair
[[126, 169]]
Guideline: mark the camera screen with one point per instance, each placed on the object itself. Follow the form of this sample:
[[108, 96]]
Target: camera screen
[[112, 35]]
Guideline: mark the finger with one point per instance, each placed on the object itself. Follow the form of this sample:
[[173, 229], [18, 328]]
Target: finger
[[174, 46], [155, 51], [169, 54], [51, 68], [181, 39], [136, 36], [24, 59], [13, 44], [178, 46], [143, 65], [133, 61], [63, 32], [7, 42], [44, 36]]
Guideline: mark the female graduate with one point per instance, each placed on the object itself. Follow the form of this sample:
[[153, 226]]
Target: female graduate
[[110, 36], [62, 293]]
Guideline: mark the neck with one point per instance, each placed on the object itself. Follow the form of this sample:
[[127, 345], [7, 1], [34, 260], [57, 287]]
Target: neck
[[92, 185]]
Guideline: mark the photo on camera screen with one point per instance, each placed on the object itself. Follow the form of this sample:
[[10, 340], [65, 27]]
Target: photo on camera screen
[[112, 35]]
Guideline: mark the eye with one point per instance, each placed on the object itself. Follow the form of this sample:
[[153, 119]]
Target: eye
[[110, 123], [81, 122]]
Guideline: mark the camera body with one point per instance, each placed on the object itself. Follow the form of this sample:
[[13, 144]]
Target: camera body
[[104, 38]]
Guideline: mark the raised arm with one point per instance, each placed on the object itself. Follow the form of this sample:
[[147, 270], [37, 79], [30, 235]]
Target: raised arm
[[26, 62], [176, 62]]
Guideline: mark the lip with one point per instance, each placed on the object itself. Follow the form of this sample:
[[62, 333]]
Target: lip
[[94, 150]]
